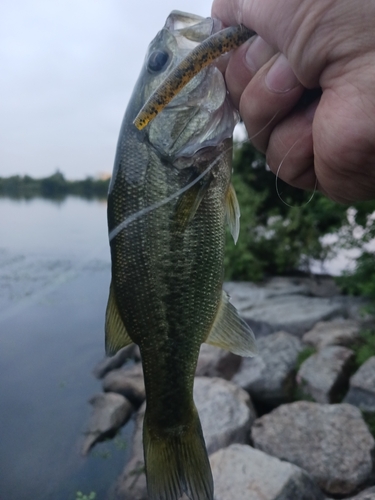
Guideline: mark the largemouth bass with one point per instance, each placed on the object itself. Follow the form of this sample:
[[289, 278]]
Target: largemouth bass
[[169, 200]]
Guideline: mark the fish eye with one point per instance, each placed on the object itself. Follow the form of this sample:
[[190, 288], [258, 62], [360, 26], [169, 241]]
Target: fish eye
[[157, 60]]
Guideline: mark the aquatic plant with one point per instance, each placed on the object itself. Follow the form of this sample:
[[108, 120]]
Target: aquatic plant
[[82, 496]]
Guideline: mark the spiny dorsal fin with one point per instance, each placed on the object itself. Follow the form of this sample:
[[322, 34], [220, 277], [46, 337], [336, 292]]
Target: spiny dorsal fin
[[231, 332], [116, 337], [232, 212], [189, 202]]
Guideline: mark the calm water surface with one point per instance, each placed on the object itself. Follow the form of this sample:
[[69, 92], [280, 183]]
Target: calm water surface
[[54, 278]]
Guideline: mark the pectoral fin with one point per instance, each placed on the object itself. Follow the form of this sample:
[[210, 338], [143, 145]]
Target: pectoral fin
[[231, 332], [116, 337], [189, 202], [233, 213]]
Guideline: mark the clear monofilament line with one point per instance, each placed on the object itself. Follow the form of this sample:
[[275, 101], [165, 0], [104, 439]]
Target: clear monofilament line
[[155, 206]]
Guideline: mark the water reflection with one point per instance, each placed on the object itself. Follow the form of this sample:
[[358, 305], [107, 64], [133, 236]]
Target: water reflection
[[54, 278]]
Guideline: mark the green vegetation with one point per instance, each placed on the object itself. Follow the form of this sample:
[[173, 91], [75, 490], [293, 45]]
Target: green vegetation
[[369, 418], [54, 186], [277, 236], [303, 355], [282, 236], [81, 496], [364, 347]]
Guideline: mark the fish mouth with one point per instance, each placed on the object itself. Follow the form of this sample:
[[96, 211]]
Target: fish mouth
[[191, 27], [200, 115]]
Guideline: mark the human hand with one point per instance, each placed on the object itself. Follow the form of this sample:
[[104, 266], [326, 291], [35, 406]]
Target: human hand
[[326, 44]]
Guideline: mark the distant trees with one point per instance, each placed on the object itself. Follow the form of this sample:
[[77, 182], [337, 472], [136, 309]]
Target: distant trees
[[55, 186]]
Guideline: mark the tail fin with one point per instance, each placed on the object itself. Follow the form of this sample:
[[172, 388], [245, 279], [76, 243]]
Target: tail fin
[[177, 463]]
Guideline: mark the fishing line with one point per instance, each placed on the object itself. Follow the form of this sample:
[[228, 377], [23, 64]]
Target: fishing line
[[261, 130], [277, 177], [155, 206]]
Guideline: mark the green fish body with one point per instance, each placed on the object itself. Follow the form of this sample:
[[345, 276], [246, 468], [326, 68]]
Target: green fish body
[[168, 203]]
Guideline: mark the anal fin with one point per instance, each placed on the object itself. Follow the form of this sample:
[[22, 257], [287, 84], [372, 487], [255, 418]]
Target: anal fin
[[230, 331], [116, 336]]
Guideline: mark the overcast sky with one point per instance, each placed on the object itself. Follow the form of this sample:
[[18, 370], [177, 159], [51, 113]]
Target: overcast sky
[[67, 71]]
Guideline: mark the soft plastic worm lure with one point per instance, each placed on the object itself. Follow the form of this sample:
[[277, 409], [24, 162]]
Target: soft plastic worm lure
[[204, 54]]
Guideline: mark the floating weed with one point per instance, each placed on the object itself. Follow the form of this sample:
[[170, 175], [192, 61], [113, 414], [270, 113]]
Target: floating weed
[[120, 443], [105, 454], [82, 496]]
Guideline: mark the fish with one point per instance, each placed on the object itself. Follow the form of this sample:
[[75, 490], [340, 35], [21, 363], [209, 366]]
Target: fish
[[169, 201]]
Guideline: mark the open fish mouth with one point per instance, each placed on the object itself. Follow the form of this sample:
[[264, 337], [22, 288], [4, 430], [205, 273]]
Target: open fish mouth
[[201, 56]]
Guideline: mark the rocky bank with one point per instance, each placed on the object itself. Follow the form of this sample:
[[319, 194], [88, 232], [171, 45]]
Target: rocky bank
[[276, 427]]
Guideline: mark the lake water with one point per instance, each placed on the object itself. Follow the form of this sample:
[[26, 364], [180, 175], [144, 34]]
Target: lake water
[[54, 278]]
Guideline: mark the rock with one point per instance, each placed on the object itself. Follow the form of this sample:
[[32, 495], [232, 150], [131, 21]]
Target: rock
[[269, 376], [331, 442], [225, 410], [243, 473], [215, 362], [110, 412], [131, 485], [128, 382], [226, 416], [362, 387], [368, 494], [116, 361], [325, 375], [283, 304], [339, 332]]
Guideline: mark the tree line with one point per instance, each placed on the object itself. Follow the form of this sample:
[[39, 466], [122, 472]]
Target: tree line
[[55, 186]]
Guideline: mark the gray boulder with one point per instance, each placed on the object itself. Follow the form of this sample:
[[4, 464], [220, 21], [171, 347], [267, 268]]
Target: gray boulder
[[128, 382], [225, 410], [283, 304], [367, 494], [242, 473], [215, 362], [269, 376], [325, 375], [362, 387], [226, 416], [110, 412], [116, 361], [338, 332], [331, 442]]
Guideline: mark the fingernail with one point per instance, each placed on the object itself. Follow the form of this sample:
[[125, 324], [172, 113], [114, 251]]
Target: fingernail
[[281, 77], [258, 53]]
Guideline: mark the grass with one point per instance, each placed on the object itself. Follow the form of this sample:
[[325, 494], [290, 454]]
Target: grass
[[303, 355], [364, 347], [369, 418]]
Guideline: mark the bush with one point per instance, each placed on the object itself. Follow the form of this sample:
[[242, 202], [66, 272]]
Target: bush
[[277, 236]]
